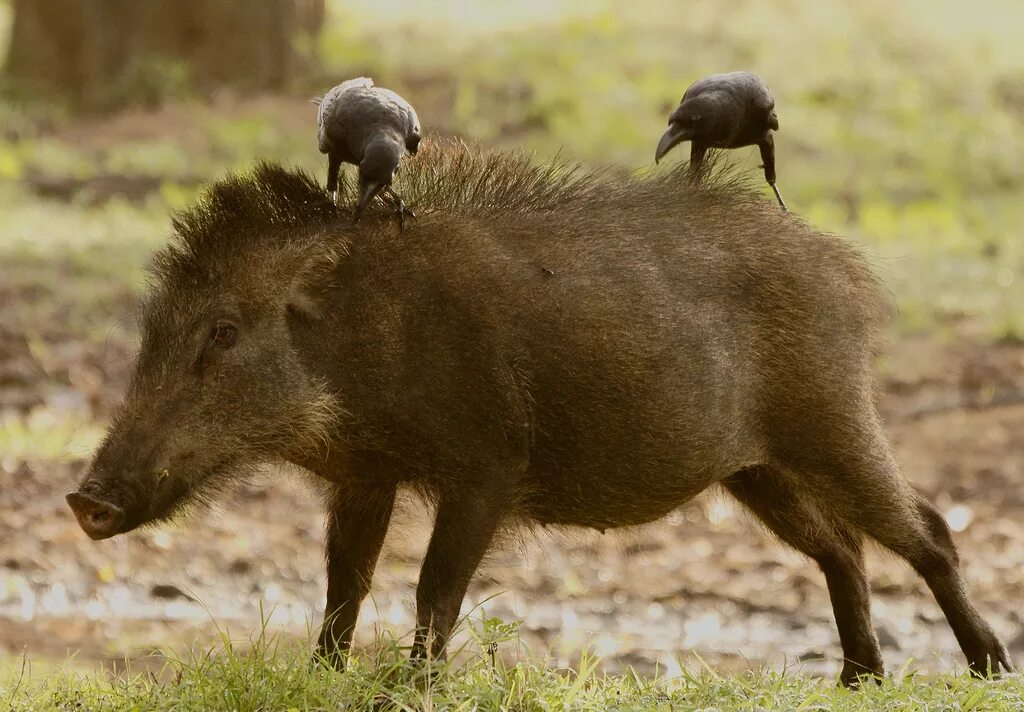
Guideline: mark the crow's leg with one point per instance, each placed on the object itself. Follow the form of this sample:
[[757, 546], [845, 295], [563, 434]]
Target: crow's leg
[[333, 168], [697, 152], [767, 146], [400, 208]]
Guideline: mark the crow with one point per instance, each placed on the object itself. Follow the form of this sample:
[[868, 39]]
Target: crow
[[370, 127], [725, 111]]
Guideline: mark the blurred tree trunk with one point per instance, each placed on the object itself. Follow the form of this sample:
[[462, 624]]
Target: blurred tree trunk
[[89, 51]]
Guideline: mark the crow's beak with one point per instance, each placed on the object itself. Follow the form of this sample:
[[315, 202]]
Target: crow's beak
[[675, 134], [367, 192]]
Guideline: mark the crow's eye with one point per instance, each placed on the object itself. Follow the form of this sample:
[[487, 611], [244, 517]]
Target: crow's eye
[[695, 118], [223, 335]]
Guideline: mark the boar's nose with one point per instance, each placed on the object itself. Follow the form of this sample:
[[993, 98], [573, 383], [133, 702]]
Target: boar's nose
[[97, 518]]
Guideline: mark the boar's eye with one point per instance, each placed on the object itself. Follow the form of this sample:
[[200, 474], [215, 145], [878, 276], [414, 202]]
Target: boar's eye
[[223, 335]]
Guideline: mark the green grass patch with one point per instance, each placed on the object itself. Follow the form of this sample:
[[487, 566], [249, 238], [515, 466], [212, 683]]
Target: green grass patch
[[266, 675], [73, 268]]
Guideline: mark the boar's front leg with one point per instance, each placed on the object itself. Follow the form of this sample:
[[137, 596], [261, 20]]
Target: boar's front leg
[[463, 529], [357, 521]]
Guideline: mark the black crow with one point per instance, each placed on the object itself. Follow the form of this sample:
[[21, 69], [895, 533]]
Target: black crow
[[725, 111], [370, 127]]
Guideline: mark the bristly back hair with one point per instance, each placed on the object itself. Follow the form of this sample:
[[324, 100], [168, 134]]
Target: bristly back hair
[[269, 203], [268, 197], [450, 176], [272, 207]]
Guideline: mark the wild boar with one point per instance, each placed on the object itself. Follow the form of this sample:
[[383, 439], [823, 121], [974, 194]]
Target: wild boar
[[545, 346]]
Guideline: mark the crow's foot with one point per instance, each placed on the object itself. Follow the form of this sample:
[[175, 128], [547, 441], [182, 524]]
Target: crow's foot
[[778, 196], [399, 207]]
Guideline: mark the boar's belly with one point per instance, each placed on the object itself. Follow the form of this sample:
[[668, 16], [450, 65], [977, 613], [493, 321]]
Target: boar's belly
[[614, 497]]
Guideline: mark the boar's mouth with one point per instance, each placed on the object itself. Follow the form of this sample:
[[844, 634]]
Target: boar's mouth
[[102, 516], [98, 518]]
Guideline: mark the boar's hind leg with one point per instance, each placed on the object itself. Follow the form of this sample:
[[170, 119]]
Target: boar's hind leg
[[866, 489], [837, 551], [464, 527], [357, 521], [921, 536]]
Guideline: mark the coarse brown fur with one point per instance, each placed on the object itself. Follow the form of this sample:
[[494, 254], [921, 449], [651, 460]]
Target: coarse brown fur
[[544, 345]]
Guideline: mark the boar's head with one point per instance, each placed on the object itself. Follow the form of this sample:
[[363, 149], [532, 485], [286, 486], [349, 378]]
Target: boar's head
[[218, 386]]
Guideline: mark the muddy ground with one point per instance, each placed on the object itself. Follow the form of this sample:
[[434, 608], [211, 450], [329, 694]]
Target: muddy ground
[[706, 579]]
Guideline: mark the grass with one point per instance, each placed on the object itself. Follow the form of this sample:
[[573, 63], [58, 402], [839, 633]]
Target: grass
[[268, 675]]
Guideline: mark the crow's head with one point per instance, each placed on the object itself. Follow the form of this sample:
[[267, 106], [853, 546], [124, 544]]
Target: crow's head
[[377, 169], [691, 119]]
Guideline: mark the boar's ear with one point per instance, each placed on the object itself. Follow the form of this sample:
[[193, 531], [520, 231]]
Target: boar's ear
[[303, 305], [311, 279]]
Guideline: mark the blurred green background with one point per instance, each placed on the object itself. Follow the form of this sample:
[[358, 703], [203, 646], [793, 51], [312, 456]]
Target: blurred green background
[[901, 126]]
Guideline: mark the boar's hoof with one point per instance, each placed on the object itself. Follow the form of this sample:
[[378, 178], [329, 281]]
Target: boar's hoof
[[329, 654], [329, 660], [992, 662], [853, 676]]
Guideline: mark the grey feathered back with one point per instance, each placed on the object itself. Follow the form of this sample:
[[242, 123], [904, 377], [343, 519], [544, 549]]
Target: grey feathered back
[[356, 108], [750, 86]]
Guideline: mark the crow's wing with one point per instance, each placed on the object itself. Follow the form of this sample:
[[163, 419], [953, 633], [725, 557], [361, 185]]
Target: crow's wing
[[402, 116], [331, 111], [713, 82], [357, 83], [759, 93], [742, 85], [412, 139], [354, 111]]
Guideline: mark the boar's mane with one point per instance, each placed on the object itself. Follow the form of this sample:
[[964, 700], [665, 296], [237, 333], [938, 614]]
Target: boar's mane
[[273, 208], [271, 223]]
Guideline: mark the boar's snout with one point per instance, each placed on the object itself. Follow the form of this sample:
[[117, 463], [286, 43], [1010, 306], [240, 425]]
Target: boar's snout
[[97, 518]]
